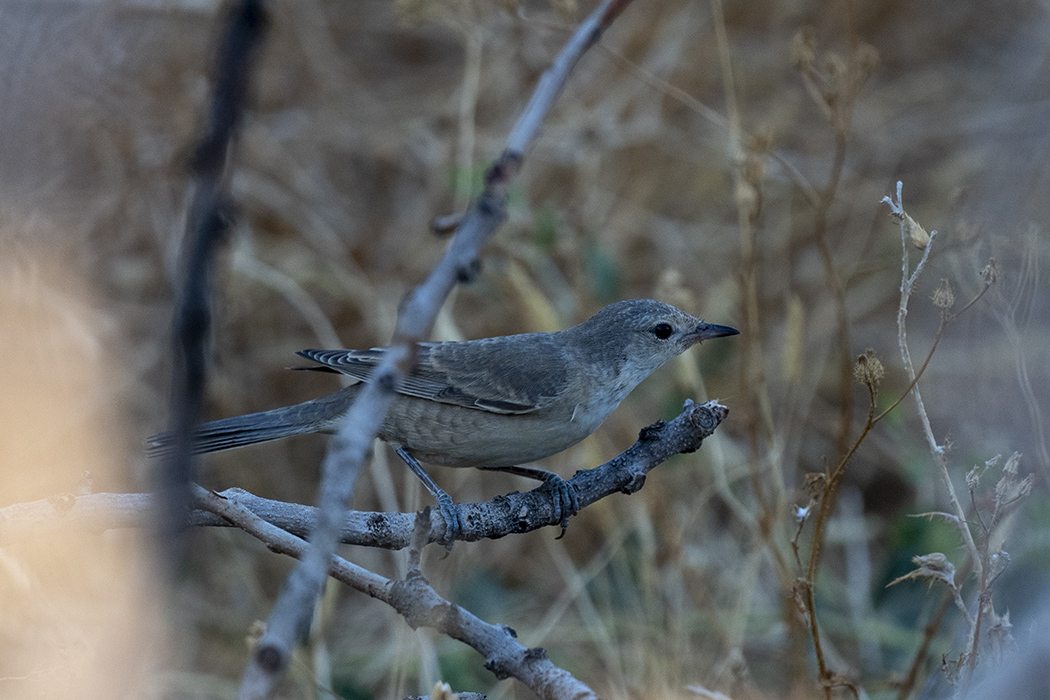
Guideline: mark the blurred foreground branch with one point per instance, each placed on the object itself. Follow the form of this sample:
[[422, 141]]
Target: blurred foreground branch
[[351, 446]]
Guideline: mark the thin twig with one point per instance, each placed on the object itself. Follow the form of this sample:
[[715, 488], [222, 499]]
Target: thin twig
[[474, 42], [839, 112], [827, 501], [747, 187], [945, 319], [837, 287]]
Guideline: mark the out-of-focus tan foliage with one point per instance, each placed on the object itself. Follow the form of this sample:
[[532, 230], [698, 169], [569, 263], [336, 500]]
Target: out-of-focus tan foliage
[[76, 616], [369, 118]]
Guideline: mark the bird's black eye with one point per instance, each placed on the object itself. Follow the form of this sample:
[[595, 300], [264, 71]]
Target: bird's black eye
[[662, 331]]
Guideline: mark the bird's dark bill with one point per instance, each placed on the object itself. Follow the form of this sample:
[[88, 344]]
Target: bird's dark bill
[[710, 330]]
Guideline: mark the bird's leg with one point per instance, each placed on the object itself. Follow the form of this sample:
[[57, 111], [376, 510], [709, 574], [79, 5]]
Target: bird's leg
[[564, 498], [449, 512]]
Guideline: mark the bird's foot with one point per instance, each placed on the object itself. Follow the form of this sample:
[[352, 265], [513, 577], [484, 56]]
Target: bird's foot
[[564, 500], [450, 514], [449, 511]]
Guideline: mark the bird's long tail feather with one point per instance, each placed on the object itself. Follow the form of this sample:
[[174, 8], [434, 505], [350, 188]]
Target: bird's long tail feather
[[318, 415]]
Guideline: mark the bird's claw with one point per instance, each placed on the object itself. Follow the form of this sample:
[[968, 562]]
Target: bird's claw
[[450, 514], [564, 499]]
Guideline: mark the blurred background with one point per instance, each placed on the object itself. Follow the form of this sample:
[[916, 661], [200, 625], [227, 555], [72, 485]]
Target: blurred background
[[727, 158]]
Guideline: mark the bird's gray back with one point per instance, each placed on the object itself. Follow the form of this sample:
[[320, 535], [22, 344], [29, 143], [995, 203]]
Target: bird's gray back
[[508, 374]]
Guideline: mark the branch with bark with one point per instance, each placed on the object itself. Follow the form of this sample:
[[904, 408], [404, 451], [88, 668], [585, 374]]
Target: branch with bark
[[514, 513]]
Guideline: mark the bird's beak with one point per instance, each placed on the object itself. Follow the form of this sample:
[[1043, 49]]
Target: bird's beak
[[710, 330]]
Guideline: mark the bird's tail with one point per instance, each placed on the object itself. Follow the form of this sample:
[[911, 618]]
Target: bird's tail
[[318, 415]]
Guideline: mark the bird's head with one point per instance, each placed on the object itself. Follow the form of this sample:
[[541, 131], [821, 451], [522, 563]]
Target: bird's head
[[638, 336]]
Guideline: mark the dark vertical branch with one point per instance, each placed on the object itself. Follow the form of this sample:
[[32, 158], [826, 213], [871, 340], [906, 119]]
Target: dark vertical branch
[[207, 220]]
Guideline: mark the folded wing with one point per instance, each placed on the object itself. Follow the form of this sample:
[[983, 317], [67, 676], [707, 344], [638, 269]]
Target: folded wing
[[508, 375]]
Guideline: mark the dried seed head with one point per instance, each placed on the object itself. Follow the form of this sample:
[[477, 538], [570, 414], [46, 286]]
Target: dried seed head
[[917, 234], [934, 566], [944, 295], [990, 272], [815, 485], [1000, 631], [1010, 488], [912, 230], [973, 478], [869, 370]]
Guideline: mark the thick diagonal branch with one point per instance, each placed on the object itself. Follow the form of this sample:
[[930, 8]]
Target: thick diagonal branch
[[499, 517]]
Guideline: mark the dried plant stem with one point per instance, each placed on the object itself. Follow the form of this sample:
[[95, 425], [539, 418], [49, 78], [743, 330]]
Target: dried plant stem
[[827, 500], [208, 217], [945, 319], [938, 451], [748, 201]]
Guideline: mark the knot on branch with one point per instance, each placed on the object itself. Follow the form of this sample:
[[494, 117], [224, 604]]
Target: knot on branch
[[707, 416], [467, 273], [504, 169], [651, 432], [498, 663], [535, 654], [378, 525], [271, 657], [498, 668], [634, 483], [703, 418]]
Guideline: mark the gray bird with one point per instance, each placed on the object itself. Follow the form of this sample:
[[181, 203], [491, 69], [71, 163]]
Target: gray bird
[[494, 403]]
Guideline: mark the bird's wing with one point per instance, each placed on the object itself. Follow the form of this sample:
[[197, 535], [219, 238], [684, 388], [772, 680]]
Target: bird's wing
[[488, 375]]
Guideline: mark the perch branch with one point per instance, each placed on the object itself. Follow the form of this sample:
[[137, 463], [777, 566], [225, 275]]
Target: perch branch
[[499, 517]]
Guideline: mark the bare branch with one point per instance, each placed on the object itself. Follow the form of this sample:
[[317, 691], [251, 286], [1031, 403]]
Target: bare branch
[[421, 606], [504, 515]]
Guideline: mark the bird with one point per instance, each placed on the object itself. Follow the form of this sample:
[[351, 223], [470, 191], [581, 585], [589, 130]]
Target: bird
[[492, 403]]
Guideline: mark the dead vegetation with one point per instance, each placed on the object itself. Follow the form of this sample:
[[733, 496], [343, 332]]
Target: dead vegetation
[[730, 160]]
